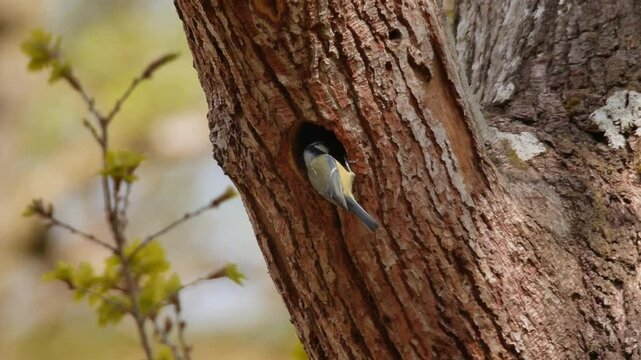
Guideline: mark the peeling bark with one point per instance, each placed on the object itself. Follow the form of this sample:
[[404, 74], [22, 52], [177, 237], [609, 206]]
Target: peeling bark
[[480, 255], [564, 60]]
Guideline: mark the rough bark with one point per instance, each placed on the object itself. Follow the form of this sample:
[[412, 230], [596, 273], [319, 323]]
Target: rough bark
[[563, 60], [474, 260]]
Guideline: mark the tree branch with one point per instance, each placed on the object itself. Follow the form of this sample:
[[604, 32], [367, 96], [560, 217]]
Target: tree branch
[[125, 205], [228, 194], [145, 75], [163, 337], [184, 347], [123, 98], [56, 222], [117, 304], [74, 82], [115, 201], [92, 129]]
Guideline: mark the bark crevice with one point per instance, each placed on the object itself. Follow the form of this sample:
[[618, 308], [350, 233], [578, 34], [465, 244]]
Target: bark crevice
[[480, 255]]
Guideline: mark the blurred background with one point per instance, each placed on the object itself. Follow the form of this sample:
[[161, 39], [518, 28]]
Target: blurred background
[[45, 152]]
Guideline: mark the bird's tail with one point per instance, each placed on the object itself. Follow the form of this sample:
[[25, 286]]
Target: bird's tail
[[366, 218]]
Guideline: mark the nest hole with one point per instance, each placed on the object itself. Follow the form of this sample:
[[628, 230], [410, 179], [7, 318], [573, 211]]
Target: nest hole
[[395, 34], [308, 133]]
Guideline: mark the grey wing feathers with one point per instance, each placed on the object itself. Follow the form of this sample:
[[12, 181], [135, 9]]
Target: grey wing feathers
[[366, 218], [334, 190]]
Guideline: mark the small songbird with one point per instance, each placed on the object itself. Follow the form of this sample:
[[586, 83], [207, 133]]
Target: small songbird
[[332, 180]]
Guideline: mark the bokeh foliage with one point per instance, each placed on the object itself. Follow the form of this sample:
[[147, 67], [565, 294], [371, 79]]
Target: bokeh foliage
[[136, 279]]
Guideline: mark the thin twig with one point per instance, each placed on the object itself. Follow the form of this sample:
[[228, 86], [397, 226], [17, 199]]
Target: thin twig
[[191, 284], [145, 75], [120, 239], [131, 284], [123, 307], [180, 331], [102, 138], [106, 191], [125, 206], [171, 297], [115, 203], [56, 222], [73, 81], [175, 223], [92, 129], [132, 288], [163, 338], [117, 197], [115, 210], [123, 98], [121, 202], [212, 204]]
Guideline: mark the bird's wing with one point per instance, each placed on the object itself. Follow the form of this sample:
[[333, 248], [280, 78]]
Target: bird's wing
[[334, 190]]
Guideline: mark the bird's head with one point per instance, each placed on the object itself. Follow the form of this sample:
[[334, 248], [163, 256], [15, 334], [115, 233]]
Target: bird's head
[[315, 149]]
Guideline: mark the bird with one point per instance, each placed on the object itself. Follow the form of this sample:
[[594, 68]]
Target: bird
[[333, 181]]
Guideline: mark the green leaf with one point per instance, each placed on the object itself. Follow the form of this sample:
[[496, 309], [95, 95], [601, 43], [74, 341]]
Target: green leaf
[[150, 296], [111, 309], [150, 260], [29, 211], [83, 279], [231, 271], [38, 207], [44, 52], [39, 49], [83, 276], [132, 247], [58, 71], [171, 286], [156, 291], [94, 298], [120, 165], [164, 353], [63, 272], [112, 273]]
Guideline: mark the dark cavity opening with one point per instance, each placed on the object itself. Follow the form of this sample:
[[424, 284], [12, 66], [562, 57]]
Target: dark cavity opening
[[308, 133], [395, 34]]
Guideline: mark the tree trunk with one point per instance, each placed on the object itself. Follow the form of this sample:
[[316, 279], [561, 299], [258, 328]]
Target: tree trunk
[[485, 251]]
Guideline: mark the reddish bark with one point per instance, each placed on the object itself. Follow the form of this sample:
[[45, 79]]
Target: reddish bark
[[474, 260]]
